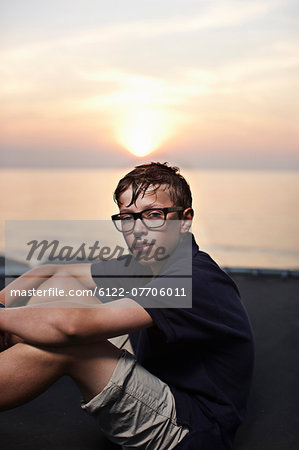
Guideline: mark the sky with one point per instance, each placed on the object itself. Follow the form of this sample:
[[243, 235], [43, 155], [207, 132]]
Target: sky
[[208, 84]]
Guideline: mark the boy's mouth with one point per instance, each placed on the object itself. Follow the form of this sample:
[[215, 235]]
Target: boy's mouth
[[142, 246]]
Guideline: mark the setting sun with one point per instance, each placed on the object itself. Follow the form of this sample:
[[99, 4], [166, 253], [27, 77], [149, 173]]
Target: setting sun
[[143, 131], [140, 143]]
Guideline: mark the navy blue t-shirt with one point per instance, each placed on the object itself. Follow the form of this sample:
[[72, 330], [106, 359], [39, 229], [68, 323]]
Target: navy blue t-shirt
[[205, 353]]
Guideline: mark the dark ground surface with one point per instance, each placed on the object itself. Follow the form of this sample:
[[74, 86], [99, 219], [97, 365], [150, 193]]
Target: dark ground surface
[[55, 421]]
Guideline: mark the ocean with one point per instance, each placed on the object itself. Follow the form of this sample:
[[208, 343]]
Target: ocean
[[242, 218]]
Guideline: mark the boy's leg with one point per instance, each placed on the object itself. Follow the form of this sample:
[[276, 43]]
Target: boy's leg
[[132, 406], [27, 371], [136, 409], [62, 280], [66, 282], [91, 366]]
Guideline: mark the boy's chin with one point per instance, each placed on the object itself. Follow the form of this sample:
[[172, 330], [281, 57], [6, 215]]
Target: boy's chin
[[142, 258], [143, 261]]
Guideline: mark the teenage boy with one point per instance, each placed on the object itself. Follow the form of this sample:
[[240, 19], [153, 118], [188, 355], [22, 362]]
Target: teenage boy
[[188, 383]]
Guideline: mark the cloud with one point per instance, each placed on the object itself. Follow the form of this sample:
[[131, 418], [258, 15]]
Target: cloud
[[220, 14], [192, 81], [55, 63]]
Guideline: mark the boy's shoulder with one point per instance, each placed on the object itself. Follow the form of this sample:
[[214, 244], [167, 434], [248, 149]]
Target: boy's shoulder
[[207, 272]]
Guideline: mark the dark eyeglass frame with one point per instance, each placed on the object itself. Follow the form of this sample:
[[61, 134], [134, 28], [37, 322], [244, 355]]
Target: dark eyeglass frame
[[138, 215]]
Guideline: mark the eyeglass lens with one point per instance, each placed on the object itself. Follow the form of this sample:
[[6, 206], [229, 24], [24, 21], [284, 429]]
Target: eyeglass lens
[[151, 219]]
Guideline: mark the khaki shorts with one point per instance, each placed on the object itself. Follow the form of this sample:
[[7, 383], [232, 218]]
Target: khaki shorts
[[136, 409]]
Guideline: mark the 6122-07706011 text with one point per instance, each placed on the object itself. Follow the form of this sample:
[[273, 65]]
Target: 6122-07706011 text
[[142, 291]]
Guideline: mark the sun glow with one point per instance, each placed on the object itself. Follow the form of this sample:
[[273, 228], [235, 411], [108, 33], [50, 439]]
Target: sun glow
[[143, 120], [143, 131], [139, 111], [140, 143]]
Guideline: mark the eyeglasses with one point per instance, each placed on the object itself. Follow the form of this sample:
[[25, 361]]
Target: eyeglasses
[[151, 218]]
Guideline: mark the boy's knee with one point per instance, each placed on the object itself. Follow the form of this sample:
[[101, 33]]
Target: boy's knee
[[62, 280]]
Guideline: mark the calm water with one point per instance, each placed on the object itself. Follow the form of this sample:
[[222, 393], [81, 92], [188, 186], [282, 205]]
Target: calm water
[[242, 218]]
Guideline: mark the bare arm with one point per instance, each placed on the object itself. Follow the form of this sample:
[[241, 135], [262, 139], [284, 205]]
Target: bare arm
[[35, 277], [56, 326]]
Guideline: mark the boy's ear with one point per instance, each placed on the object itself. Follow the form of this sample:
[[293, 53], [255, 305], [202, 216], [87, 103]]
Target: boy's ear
[[187, 220]]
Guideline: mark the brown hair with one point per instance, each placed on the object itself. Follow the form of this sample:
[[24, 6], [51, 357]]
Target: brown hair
[[156, 174]]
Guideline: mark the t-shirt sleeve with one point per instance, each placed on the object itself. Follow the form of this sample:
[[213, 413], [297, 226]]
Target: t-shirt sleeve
[[104, 274], [101, 272], [118, 276]]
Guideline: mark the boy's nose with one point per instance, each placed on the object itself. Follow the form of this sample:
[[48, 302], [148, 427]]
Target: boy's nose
[[139, 227]]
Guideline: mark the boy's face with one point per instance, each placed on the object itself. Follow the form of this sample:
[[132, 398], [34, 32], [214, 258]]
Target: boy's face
[[142, 242]]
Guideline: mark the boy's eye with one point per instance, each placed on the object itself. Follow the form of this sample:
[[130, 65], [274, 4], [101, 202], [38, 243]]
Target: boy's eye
[[154, 214], [126, 218]]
